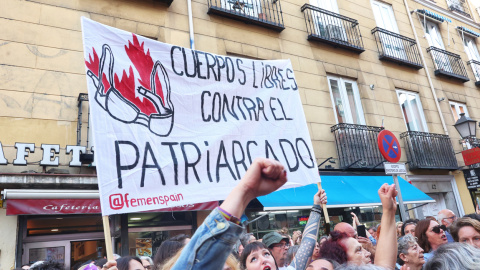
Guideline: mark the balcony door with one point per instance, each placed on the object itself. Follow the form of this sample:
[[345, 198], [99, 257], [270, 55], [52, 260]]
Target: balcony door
[[384, 18], [246, 7], [432, 33], [472, 53], [328, 26], [412, 111], [346, 100]]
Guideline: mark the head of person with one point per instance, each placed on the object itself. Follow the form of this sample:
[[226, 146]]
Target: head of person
[[147, 262], [466, 230], [50, 265], [231, 263], [454, 256], [399, 225], [167, 249], [257, 256], [247, 238], [130, 263], [409, 226], [409, 252], [344, 249], [346, 228], [322, 239], [473, 216], [430, 235], [316, 251], [291, 254], [373, 231], [446, 217], [322, 264], [278, 246]]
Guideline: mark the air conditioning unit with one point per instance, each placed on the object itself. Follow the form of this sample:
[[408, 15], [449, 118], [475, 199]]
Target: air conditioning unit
[[336, 32]]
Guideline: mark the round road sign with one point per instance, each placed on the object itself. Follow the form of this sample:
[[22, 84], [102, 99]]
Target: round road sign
[[389, 146]]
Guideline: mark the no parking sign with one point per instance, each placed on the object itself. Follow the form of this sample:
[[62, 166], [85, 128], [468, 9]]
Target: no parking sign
[[389, 146]]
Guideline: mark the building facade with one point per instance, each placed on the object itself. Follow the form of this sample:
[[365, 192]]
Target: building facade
[[408, 66]]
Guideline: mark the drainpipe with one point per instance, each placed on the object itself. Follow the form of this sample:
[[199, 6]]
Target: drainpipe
[[426, 69], [190, 24]]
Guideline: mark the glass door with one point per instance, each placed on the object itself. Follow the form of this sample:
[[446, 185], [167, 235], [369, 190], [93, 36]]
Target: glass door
[[441, 60], [384, 18], [328, 26], [472, 53]]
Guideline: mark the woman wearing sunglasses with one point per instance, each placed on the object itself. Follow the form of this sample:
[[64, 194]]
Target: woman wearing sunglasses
[[430, 236]]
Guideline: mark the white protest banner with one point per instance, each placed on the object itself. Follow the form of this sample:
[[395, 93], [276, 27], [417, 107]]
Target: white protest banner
[[173, 126]]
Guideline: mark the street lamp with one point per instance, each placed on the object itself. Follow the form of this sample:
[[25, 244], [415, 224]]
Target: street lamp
[[466, 127]]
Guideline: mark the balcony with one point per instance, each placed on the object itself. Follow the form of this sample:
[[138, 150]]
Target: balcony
[[448, 64], [357, 146], [266, 13], [460, 6], [475, 66], [429, 151], [332, 28], [397, 48]]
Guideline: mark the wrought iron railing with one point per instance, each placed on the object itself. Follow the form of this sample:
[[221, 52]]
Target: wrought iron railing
[[267, 13], [357, 146], [448, 64], [460, 6], [475, 66], [397, 48], [332, 28], [429, 151]]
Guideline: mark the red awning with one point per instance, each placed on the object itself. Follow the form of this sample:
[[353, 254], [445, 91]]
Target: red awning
[[80, 206]]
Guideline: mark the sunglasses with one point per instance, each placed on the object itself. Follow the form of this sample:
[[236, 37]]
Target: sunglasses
[[437, 228]]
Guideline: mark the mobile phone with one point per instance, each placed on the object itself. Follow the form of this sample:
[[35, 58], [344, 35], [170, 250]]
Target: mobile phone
[[361, 231]]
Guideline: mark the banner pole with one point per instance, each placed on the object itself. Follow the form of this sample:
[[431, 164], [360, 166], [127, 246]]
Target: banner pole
[[325, 213], [108, 238]]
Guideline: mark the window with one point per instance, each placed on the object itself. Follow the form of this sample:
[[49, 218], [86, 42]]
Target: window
[[457, 109], [384, 16], [330, 5], [432, 33], [346, 100], [412, 111], [245, 7], [460, 6], [472, 53]]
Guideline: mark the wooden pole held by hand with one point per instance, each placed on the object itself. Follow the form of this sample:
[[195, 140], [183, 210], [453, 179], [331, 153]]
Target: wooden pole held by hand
[[325, 212], [108, 238]]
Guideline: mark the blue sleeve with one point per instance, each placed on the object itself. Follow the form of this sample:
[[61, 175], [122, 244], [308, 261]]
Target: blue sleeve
[[374, 242], [210, 245]]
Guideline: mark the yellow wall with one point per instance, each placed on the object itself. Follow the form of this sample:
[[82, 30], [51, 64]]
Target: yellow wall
[[8, 229], [467, 202], [42, 67]]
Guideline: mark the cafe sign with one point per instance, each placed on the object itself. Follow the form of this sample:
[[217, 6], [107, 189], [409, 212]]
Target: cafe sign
[[471, 156], [49, 154]]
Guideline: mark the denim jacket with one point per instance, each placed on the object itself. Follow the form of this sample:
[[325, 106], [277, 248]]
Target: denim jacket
[[210, 245]]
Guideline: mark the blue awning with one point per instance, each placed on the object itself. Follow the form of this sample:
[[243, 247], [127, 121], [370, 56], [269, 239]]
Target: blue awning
[[468, 31], [342, 191], [434, 15]]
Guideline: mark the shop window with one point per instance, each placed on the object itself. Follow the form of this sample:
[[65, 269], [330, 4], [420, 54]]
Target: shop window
[[346, 100], [54, 225], [412, 111]]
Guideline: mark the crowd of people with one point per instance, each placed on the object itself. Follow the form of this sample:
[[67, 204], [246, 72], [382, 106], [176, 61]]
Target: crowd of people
[[222, 243]]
